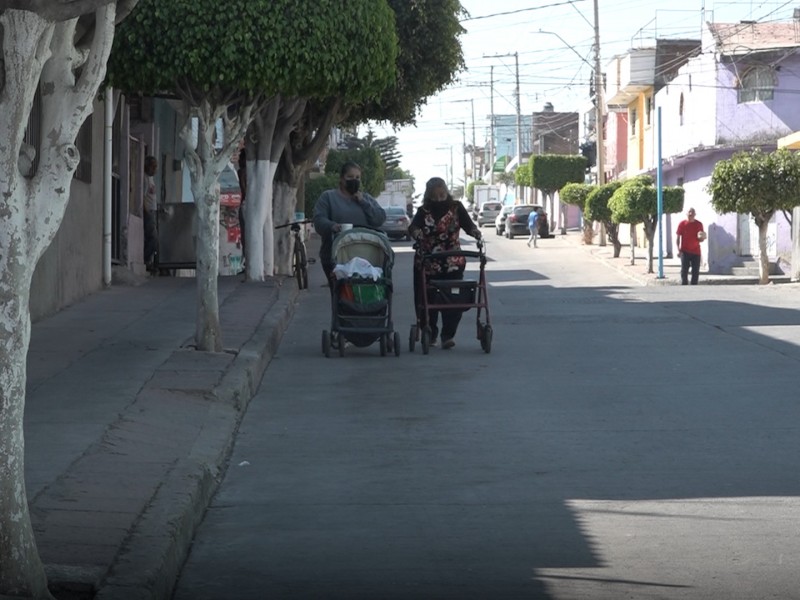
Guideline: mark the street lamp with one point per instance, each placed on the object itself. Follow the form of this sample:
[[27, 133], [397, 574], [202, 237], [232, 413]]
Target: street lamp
[[519, 112], [463, 146], [472, 154]]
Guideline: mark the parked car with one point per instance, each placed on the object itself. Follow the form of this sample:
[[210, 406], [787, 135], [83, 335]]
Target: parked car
[[517, 220], [488, 213], [396, 224], [500, 220]]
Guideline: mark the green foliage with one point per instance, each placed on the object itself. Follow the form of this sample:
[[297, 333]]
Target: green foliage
[[522, 176], [575, 194], [314, 188], [369, 159], [429, 58], [551, 172], [636, 201], [295, 47], [505, 178], [471, 189], [596, 207], [756, 183]]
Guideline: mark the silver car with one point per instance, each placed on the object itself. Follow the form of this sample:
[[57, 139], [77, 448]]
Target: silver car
[[488, 213], [396, 224]]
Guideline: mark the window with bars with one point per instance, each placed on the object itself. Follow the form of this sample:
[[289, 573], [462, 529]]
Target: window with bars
[[757, 85]]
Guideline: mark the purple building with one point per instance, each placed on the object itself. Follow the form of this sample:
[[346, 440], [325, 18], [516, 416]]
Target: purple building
[[739, 93]]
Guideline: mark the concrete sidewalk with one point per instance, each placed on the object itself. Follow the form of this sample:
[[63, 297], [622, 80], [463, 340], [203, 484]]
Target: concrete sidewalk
[[128, 427], [671, 269]]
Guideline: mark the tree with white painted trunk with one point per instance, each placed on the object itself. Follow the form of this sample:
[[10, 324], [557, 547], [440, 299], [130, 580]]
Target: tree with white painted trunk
[[215, 62], [332, 50], [59, 47], [421, 70]]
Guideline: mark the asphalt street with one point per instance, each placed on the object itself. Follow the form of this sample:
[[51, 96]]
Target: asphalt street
[[619, 441]]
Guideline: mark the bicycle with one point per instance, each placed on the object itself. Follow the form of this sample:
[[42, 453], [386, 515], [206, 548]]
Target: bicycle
[[300, 260]]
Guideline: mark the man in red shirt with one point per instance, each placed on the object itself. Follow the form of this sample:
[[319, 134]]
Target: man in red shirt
[[690, 234]]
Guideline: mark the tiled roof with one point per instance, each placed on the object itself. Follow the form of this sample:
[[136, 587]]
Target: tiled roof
[[745, 37]]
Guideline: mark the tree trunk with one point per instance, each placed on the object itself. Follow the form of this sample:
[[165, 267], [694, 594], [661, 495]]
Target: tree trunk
[[633, 243], [588, 232], [284, 209], [763, 258], [22, 572], [37, 54], [650, 243], [258, 222], [208, 334]]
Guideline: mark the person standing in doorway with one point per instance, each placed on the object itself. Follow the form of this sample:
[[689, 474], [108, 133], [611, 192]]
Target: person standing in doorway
[[149, 213], [689, 235]]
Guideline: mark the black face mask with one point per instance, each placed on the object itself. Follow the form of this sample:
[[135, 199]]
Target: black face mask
[[352, 185]]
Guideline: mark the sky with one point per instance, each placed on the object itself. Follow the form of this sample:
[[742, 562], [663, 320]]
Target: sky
[[554, 41]]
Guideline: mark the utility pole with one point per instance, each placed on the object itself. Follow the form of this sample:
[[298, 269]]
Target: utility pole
[[472, 154], [519, 112], [599, 98], [519, 115], [463, 148], [491, 125]]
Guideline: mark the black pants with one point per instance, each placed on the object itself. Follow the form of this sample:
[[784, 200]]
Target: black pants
[[150, 236], [450, 318], [693, 261]]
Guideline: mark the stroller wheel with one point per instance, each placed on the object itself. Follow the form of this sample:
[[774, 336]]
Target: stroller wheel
[[412, 338], [326, 343], [396, 343], [426, 340], [383, 344], [342, 344]]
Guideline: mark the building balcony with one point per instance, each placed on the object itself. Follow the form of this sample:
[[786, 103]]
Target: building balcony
[[629, 75]]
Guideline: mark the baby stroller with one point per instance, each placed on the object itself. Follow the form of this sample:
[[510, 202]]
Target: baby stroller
[[361, 300], [453, 294]]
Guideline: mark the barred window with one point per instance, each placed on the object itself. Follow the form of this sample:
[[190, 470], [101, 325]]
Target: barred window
[[757, 85]]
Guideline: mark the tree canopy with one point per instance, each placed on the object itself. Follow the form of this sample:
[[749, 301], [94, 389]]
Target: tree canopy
[[596, 209], [430, 56], [551, 172], [576, 194], [249, 47], [756, 183], [636, 201]]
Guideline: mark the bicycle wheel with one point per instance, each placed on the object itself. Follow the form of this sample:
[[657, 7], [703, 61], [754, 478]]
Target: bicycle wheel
[[300, 269]]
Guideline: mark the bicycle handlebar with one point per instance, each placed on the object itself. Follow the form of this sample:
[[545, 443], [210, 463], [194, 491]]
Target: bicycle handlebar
[[303, 222]]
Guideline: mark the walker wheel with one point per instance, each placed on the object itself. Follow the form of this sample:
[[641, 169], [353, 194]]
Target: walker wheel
[[413, 336], [326, 343], [426, 340], [486, 342]]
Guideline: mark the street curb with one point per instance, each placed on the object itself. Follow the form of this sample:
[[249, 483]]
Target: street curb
[[149, 564]]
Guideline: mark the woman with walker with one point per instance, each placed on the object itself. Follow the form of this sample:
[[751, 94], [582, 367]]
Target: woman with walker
[[436, 227]]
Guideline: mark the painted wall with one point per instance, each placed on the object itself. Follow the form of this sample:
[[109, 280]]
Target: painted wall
[[759, 121], [71, 267], [689, 108]]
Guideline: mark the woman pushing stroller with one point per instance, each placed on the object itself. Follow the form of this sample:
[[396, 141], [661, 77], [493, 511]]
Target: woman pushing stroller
[[436, 228]]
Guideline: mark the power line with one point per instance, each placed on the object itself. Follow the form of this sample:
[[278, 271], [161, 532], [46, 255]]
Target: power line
[[521, 10]]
